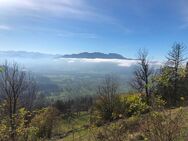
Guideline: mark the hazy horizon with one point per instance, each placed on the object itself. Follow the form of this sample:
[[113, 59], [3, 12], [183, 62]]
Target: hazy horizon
[[66, 26]]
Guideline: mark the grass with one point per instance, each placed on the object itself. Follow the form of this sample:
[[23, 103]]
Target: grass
[[73, 128], [78, 129]]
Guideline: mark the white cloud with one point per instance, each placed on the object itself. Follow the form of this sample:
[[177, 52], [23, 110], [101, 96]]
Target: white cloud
[[5, 27], [65, 8], [118, 62], [35, 4], [48, 10], [44, 9]]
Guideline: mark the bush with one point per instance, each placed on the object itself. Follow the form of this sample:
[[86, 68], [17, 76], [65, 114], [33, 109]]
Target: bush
[[4, 131], [24, 131], [123, 106], [4, 128], [122, 130], [135, 105], [45, 121], [164, 126], [104, 111]]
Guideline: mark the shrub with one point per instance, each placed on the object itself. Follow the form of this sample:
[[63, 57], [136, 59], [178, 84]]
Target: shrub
[[4, 131], [25, 131], [122, 130], [103, 111], [4, 128], [123, 106], [164, 126], [45, 121], [135, 105]]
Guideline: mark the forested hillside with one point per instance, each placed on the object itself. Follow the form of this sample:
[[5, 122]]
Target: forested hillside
[[154, 107]]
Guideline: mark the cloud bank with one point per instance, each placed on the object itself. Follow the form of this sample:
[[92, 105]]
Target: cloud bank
[[118, 62]]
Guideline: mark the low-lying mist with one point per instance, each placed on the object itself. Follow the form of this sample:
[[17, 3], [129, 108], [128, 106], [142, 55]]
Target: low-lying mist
[[71, 76]]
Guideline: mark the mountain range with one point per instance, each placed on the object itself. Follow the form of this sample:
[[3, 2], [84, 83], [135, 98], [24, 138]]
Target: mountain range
[[95, 55], [35, 55], [23, 54]]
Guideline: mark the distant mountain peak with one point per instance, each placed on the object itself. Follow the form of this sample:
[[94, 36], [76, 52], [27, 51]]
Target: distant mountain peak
[[87, 55], [23, 54], [95, 55]]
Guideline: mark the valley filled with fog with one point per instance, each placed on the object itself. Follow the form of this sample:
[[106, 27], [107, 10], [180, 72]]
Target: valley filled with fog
[[69, 77]]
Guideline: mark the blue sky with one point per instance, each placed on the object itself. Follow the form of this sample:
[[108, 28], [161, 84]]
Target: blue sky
[[73, 26]]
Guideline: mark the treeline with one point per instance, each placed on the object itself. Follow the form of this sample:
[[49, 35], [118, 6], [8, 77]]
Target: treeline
[[169, 82], [74, 106]]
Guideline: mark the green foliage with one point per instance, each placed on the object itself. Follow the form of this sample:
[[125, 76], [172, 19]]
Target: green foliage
[[164, 125], [135, 105], [158, 103], [25, 131], [1, 69], [104, 111], [165, 86], [29, 126], [4, 130], [122, 130], [45, 121], [164, 78], [124, 106]]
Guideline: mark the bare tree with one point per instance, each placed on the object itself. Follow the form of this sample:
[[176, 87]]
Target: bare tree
[[13, 85], [108, 87], [29, 96], [142, 74], [175, 60], [107, 96]]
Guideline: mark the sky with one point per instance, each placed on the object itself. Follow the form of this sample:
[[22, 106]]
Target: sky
[[74, 26]]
